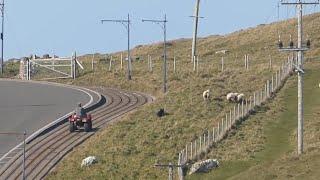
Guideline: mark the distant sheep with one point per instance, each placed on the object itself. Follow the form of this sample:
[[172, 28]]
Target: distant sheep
[[206, 95], [235, 97], [232, 97]]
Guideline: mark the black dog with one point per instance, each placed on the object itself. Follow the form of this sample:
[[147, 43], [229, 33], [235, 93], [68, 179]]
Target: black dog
[[161, 113]]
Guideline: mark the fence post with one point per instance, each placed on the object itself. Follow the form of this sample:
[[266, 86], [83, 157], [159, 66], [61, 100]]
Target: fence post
[[151, 64], [242, 109], [226, 123], [268, 88], [209, 142], [265, 92], [110, 63], [234, 115], [222, 64], [195, 149], [218, 131], [260, 97], [200, 145], [230, 120], [270, 62], [174, 64], [148, 65], [121, 61], [272, 84], [238, 111], [186, 153], [250, 109], [180, 170], [224, 127], [204, 142], [92, 63], [247, 107], [213, 135], [247, 62], [191, 155]]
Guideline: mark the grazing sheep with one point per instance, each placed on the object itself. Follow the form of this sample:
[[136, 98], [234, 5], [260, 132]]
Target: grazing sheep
[[89, 161], [240, 97], [206, 95], [231, 97]]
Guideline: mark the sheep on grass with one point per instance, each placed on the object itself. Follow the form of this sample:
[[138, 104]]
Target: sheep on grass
[[232, 97]]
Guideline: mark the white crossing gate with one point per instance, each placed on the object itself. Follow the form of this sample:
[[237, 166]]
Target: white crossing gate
[[49, 68]]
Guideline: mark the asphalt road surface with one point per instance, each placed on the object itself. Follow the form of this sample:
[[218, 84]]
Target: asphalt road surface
[[30, 106]]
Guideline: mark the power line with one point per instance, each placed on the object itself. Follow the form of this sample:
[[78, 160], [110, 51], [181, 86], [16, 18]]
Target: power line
[[126, 24], [163, 25]]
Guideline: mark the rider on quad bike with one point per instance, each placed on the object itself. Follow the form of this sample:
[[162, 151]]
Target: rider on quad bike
[[79, 111], [80, 119]]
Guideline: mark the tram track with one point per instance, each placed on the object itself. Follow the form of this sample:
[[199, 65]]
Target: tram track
[[43, 153]]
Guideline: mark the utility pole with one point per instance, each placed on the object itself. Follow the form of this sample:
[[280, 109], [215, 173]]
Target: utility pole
[[2, 27], [126, 24], [299, 67], [195, 30], [163, 25]]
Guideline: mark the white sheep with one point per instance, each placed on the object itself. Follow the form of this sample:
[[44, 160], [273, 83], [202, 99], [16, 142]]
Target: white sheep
[[89, 161], [240, 97], [232, 97], [206, 95]]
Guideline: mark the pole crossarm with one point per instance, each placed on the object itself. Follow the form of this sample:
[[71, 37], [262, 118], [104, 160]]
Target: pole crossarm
[[123, 22], [294, 49], [197, 17], [300, 3], [159, 22]]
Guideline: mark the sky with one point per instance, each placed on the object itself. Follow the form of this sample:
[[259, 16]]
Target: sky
[[61, 27]]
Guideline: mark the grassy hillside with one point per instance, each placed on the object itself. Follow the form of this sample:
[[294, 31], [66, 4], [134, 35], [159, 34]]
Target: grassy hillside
[[128, 149], [265, 146]]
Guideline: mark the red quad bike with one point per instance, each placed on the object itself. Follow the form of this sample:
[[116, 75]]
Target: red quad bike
[[77, 122]]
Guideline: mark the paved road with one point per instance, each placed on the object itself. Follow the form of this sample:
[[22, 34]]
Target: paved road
[[30, 106]]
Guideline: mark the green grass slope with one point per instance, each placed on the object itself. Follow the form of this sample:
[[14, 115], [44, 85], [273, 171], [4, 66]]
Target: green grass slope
[[129, 148], [265, 146]]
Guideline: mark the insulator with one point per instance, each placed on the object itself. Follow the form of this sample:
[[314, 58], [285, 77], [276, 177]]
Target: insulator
[[291, 44], [280, 44], [308, 43]]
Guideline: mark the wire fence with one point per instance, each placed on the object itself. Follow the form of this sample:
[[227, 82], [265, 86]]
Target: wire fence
[[196, 149]]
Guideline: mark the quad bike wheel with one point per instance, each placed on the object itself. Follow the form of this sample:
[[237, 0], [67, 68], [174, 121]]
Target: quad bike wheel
[[87, 126], [72, 127]]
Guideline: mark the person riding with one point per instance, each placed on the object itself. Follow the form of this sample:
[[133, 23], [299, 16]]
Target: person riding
[[80, 111]]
